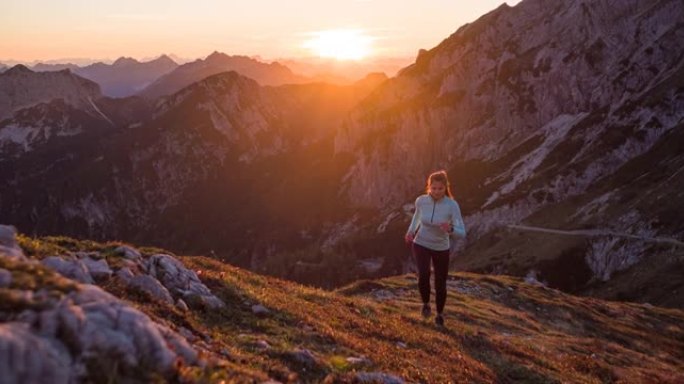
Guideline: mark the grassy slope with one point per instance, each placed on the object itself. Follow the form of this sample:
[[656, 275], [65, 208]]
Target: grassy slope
[[498, 330]]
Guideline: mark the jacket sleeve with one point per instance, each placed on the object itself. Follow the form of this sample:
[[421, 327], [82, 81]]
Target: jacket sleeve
[[457, 221], [415, 221]]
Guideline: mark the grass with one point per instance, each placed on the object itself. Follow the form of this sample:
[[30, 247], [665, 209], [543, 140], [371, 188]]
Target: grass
[[499, 330]]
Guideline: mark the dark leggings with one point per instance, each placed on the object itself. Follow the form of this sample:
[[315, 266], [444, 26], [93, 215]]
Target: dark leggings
[[440, 260]]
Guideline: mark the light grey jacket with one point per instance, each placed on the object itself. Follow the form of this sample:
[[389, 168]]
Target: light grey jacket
[[429, 215]]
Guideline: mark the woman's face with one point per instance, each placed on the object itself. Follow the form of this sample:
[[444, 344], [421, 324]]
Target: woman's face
[[437, 190]]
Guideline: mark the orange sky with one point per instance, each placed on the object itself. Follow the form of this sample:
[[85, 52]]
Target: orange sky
[[44, 30]]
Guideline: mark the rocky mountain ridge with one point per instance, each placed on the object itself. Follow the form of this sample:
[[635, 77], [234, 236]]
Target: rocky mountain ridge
[[21, 88], [533, 108]]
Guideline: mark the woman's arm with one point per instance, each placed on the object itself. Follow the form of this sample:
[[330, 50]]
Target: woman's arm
[[457, 226], [415, 222]]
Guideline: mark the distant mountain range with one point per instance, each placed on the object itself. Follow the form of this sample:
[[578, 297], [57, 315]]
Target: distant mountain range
[[124, 77], [555, 115], [186, 74]]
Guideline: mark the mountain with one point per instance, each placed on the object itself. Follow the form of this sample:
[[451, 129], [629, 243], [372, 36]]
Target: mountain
[[187, 160], [110, 312], [186, 74], [345, 72], [20, 88], [42, 67], [560, 124], [127, 76], [553, 115], [3, 67]]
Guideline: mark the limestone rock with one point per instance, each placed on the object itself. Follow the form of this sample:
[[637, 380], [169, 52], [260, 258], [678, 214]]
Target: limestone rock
[[8, 243], [377, 377], [99, 269], [182, 281], [28, 358], [73, 269], [152, 286], [128, 253]]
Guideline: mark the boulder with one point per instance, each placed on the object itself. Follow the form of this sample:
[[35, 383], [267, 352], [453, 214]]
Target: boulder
[[99, 269], [151, 286], [26, 357], [182, 281], [72, 269], [128, 253], [8, 243]]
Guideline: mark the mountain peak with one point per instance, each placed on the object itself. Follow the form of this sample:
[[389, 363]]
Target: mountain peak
[[164, 59], [18, 69], [216, 55], [125, 61]]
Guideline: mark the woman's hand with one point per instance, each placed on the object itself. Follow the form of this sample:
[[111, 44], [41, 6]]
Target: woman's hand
[[408, 238], [446, 227]]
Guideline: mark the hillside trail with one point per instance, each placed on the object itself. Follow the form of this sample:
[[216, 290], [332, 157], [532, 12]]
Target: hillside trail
[[596, 233]]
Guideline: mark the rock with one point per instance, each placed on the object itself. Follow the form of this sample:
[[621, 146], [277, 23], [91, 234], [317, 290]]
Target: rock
[[99, 324], [382, 294], [128, 253], [88, 327], [152, 286], [93, 255], [304, 356], [8, 243], [72, 269], [377, 377], [180, 304], [124, 274], [260, 310], [5, 278], [357, 360], [99, 269], [263, 344], [401, 344], [179, 345], [182, 281], [28, 358], [187, 334], [531, 278]]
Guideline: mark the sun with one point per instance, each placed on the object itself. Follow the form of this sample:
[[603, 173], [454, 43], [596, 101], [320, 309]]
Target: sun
[[340, 44]]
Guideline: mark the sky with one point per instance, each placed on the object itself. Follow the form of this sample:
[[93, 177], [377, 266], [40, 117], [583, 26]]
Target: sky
[[33, 30]]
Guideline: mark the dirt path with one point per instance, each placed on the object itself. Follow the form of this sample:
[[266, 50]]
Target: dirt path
[[595, 233]]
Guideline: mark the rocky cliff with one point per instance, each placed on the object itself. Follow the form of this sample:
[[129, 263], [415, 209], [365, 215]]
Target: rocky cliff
[[531, 108]]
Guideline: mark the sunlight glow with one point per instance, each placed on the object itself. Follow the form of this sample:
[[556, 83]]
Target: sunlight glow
[[340, 44]]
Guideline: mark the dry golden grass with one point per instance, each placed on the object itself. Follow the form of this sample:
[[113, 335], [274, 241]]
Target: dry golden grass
[[498, 330]]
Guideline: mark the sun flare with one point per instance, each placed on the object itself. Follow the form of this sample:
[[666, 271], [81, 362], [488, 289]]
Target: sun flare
[[340, 44]]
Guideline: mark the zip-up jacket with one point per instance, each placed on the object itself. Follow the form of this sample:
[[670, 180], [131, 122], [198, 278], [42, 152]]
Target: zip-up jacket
[[429, 214]]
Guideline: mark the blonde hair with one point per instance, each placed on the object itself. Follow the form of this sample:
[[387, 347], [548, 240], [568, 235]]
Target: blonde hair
[[440, 176]]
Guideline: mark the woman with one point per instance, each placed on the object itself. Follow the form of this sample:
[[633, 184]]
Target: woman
[[436, 219]]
